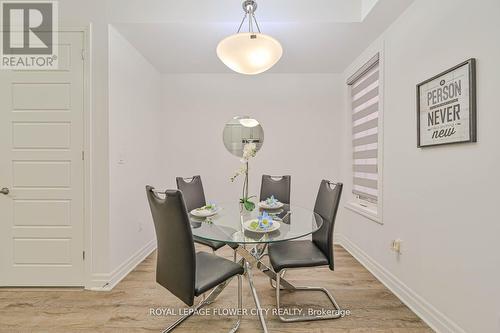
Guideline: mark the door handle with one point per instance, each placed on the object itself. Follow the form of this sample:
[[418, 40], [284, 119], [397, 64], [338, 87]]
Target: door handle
[[5, 191]]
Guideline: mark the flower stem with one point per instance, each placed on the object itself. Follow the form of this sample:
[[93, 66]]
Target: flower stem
[[245, 195]]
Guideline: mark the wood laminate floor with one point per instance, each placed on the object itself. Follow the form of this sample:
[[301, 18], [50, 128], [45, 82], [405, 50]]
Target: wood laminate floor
[[127, 307]]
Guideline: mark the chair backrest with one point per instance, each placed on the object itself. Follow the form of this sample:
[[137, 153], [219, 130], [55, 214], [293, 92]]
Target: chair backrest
[[192, 190], [327, 204], [279, 186], [176, 260]]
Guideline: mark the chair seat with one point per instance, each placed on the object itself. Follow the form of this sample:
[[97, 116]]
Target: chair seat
[[212, 244], [295, 254], [215, 245], [212, 270]]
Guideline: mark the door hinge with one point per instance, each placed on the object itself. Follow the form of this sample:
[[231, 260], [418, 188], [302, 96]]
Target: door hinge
[[83, 256], [83, 54], [83, 155]]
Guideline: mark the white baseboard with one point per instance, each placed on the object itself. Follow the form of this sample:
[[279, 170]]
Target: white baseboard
[[428, 313], [106, 282], [98, 282]]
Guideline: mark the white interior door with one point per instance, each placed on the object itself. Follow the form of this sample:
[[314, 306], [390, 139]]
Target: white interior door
[[41, 144]]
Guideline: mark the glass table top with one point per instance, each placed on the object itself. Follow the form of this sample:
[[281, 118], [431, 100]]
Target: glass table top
[[228, 225]]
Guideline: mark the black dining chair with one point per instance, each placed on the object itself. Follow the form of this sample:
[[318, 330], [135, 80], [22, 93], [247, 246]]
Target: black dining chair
[[194, 196], [181, 270], [278, 186], [310, 253]]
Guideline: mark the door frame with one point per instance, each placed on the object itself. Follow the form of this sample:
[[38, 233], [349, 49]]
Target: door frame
[[88, 153], [87, 149]]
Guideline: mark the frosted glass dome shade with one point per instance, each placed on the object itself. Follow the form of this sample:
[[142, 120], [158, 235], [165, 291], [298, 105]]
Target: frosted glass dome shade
[[249, 53]]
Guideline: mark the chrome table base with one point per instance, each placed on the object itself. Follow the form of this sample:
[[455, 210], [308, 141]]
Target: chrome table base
[[251, 259]]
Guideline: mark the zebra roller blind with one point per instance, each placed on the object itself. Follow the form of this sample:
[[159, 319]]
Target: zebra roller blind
[[365, 111]]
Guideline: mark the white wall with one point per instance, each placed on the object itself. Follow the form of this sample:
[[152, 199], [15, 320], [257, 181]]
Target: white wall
[[135, 149], [299, 114], [442, 201], [366, 7]]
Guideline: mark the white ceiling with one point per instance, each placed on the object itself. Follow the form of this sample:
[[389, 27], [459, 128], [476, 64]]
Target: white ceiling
[[318, 36]]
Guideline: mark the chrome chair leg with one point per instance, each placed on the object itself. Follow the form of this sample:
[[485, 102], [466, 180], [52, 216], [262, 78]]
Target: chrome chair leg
[[240, 306], [216, 292], [336, 315], [181, 319], [283, 271], [208, 300]]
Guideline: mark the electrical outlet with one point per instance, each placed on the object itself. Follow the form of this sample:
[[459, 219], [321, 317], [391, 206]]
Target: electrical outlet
[[396, 246], [140, 227]]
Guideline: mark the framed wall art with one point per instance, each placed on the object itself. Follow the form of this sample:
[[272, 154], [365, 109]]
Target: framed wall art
[[446, 107]]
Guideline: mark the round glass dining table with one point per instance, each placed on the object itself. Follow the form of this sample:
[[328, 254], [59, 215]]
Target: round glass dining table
[[229, 226]]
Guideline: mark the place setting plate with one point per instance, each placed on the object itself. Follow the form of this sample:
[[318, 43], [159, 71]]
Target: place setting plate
[[270, 203], [253, 226], [205, 212], [264, 205]]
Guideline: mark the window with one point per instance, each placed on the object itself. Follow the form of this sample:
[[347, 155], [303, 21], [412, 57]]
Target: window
[[365, 103]]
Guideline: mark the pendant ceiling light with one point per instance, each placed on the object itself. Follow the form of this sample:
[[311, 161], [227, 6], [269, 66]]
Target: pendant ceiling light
[[249, 52]]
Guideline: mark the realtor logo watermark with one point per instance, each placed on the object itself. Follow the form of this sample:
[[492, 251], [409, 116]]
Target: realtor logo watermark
[[29, 35]]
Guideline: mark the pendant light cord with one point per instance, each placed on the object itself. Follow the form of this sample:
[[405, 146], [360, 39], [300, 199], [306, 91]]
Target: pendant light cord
[[250, 12], [256, 24], [242, 21]]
